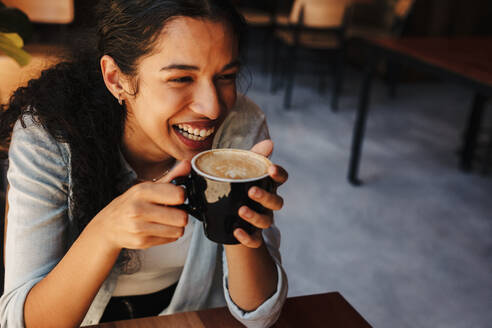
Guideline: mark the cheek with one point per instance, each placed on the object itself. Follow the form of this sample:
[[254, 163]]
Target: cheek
[[229, 95], [157, 107]]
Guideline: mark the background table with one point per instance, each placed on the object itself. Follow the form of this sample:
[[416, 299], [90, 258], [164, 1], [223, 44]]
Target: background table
[[312, 311], [465, 60]]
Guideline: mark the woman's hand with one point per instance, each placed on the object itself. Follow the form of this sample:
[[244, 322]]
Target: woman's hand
[[271, 201], [143, 216]]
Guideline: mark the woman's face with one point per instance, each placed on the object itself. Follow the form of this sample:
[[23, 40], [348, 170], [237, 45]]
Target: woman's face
[[186, 86]]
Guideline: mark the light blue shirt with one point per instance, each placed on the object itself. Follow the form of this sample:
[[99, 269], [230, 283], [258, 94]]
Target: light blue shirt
[[40, 227]]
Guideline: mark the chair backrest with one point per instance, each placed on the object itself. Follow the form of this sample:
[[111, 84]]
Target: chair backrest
[[319, 13], [401, 11], [403, 7], [45, 11]]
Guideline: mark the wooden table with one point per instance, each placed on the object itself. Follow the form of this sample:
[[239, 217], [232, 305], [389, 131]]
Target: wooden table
[[466, 61], [312, 311]]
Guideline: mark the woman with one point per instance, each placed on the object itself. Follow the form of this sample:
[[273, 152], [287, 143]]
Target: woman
[[92, 232]]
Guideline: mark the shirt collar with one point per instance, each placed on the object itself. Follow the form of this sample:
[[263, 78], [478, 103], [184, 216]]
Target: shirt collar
[[127, 176]]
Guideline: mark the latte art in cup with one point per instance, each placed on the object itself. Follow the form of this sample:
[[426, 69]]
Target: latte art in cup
[[233, 164]]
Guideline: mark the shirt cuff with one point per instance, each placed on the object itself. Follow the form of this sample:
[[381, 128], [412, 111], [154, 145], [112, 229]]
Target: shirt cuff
[[267, 313], [12, 305]]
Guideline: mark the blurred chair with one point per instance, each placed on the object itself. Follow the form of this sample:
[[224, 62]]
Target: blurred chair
[[316, 26], [283, 10], [259, 15], [395, 26], [484, 149], [51, 19], [398, 20], [45, 11]]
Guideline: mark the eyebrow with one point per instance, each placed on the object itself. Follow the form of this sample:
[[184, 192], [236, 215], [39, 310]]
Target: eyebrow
[[234, 63], [185, 67]]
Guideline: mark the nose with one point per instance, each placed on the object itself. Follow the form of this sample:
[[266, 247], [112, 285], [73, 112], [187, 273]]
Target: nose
[[206, 100]]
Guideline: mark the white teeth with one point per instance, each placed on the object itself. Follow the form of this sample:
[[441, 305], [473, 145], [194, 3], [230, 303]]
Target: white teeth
[[195, 133]]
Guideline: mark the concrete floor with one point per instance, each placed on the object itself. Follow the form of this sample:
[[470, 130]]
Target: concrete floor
[[413, 246]]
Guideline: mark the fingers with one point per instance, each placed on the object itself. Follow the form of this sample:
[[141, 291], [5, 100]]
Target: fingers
[[278, 174], [268, 200], [139, 233], [252, 241], [159, 193], [264, 148], [159, 214], [262, 221], [141, 228], [181, 169], [162, 191]]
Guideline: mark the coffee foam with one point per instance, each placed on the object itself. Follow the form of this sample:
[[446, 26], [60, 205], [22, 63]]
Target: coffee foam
[[232, 164]]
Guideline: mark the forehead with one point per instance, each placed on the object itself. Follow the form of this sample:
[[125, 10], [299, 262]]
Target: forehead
[[194, 41]]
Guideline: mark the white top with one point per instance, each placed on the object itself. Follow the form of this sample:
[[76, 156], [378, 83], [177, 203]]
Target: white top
[[160, 267]]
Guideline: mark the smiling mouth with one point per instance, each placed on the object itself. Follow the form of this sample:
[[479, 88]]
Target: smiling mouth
[[191, 133]]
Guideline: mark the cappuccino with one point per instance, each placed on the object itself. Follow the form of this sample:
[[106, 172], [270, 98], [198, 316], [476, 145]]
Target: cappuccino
[[232, 164], [218, 186]]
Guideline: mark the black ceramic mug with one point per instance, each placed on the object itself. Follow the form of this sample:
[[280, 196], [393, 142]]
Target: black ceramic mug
[[218, 186]]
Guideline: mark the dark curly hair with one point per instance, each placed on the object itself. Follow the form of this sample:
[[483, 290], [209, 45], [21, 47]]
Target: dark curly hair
[[71, 101]]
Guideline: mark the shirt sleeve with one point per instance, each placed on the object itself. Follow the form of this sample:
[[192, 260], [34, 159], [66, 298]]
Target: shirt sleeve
[[268, 312], [36, 237], [245, 126]]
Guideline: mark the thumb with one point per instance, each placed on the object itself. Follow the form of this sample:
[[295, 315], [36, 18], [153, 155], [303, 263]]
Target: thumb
[[181, 169], [264, 148]]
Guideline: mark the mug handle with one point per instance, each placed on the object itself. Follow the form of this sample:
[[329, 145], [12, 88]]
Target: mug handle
[[192, 207]]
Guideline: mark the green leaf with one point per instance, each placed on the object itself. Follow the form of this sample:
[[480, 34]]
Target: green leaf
[[15, 21], [10, 46], [15, 38]]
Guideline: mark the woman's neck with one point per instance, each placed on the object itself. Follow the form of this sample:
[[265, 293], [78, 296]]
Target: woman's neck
[[146, 168]]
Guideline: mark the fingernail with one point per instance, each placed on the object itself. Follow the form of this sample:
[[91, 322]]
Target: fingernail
[[247, 213], [257, 192], [240, 233]]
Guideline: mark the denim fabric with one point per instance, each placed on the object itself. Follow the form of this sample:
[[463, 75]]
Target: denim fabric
[[40, 227]]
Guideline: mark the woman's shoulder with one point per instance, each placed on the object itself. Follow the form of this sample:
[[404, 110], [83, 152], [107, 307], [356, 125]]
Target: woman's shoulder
[[30, 134], [29, 128], [247, 107], [244, 126]]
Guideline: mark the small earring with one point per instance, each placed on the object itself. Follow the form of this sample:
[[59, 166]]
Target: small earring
[[120, 101]]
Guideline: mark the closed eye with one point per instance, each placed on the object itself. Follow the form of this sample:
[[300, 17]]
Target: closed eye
[[184, 79], [231, 76]]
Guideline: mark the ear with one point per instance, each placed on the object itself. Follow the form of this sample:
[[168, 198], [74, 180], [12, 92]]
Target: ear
[[113, 77]]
